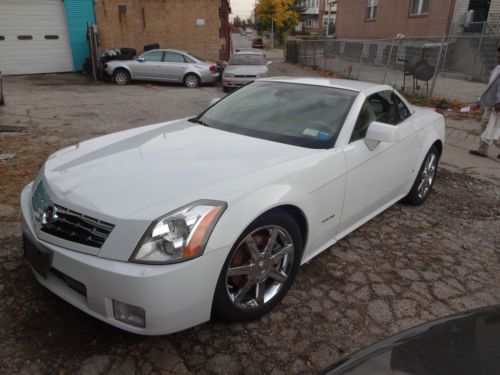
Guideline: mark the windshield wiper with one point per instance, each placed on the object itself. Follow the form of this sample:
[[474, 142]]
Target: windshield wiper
[[198, 121]]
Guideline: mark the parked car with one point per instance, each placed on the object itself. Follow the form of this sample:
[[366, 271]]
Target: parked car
[[167, 65], [154, 229], [242, 68], [464, 343], [257, 43]]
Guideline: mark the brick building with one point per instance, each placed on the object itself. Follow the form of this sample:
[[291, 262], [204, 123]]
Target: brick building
[[198, 26], [387, 18]]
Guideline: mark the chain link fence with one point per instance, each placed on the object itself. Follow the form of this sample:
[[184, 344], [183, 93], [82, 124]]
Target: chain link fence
[[455, 67]]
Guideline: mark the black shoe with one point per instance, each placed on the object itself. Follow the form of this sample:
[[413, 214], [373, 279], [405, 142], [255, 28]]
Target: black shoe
[[477, 153]]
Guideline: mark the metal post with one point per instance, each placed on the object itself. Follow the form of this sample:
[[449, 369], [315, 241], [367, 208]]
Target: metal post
[[480, 45], [361, 60], [272, 31], [436, 69], [328, 24], [388, 61]]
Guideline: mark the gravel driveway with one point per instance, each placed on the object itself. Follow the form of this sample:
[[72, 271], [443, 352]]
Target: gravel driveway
[[407, 266]]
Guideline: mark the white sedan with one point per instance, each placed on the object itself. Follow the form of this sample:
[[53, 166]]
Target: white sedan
[[156, 229]]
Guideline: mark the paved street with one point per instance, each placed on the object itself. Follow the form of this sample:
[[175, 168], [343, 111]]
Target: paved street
[[407, 266]]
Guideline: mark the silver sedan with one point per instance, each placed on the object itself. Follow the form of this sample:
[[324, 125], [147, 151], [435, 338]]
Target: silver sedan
[[244, 67], [167, 65]]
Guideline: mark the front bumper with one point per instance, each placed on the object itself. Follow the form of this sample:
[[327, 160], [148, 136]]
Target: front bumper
[[236, 82], [174, 297]]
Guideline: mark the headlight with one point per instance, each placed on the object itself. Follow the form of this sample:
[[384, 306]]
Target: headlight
[[261, 75], [179, 235], [228, 75]]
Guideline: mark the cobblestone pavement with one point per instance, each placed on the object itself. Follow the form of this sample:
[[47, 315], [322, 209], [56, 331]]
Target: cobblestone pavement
[[407, 266]]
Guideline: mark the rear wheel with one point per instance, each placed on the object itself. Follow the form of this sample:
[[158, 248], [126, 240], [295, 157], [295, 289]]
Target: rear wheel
[[121, 77], [425, 179], [191, 80], [260, 268]]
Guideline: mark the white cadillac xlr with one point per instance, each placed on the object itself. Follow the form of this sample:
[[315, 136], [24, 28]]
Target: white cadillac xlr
[[156, 229]]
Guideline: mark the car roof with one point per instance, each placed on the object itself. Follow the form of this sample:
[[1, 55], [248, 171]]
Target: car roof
[[169, 49], [347, 84]]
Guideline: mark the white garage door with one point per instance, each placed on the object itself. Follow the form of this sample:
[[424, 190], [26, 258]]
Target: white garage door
[[34, 37]]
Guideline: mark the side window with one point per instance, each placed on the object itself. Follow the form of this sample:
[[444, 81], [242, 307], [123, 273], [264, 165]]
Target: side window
[[189, 60], [366, 117], [174, 57], [379, 107], [403, 110], [154, 56]]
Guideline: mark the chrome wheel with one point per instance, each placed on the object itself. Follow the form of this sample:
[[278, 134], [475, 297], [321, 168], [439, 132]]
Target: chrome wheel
[[121, 78], [259, 267], [427, 175], [191, 81]]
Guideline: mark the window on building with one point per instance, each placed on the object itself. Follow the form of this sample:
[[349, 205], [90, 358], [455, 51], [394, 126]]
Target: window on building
[[371, 9], [311, 24], [419, 7], [332, 20]]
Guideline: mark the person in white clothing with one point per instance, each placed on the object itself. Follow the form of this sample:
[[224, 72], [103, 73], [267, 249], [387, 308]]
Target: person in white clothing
[[490, 122]]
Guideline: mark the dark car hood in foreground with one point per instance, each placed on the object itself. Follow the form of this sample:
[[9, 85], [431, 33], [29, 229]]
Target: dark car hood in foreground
[[466, 343]]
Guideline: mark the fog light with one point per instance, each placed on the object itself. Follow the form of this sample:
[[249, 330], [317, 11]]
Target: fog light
[[129, 314]]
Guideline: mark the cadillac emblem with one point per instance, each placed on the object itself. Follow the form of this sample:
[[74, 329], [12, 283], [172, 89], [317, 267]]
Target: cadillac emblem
[[49, 215]]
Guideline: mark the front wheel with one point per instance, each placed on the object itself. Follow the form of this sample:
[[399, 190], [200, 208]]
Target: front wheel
[[191, 80], [121, 77], [425, 179], [260, 268]]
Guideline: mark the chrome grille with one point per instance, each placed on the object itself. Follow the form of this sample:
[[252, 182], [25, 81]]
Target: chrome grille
[[68, 224], [73, 226]]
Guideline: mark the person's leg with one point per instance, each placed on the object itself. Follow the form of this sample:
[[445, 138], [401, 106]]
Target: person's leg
[[483, 146]]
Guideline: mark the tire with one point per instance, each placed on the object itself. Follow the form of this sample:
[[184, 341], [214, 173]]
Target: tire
[[191, 80], [424, 180], [151, 46], [121, 77], [261, 274], [128, 51]]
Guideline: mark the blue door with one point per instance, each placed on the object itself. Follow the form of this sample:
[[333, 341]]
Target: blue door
[[79, 14]]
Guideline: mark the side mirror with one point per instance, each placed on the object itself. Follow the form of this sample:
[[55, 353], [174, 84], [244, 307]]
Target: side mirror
[[380, 132], [140, 59], [213, 101]]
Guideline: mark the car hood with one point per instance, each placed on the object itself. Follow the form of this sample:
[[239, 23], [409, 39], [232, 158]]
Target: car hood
[[246, 69], [123, 173]]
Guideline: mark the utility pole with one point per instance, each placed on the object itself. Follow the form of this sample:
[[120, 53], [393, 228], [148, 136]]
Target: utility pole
[[272, 30]]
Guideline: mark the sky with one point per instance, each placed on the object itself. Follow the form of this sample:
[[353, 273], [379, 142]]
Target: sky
[[242, 8]]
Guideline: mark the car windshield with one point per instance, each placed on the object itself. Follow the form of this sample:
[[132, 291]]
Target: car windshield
[[297, 114], [249, 59]]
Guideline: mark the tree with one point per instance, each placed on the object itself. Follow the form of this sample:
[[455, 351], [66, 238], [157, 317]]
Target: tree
[[237, 21], [282, 12]]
